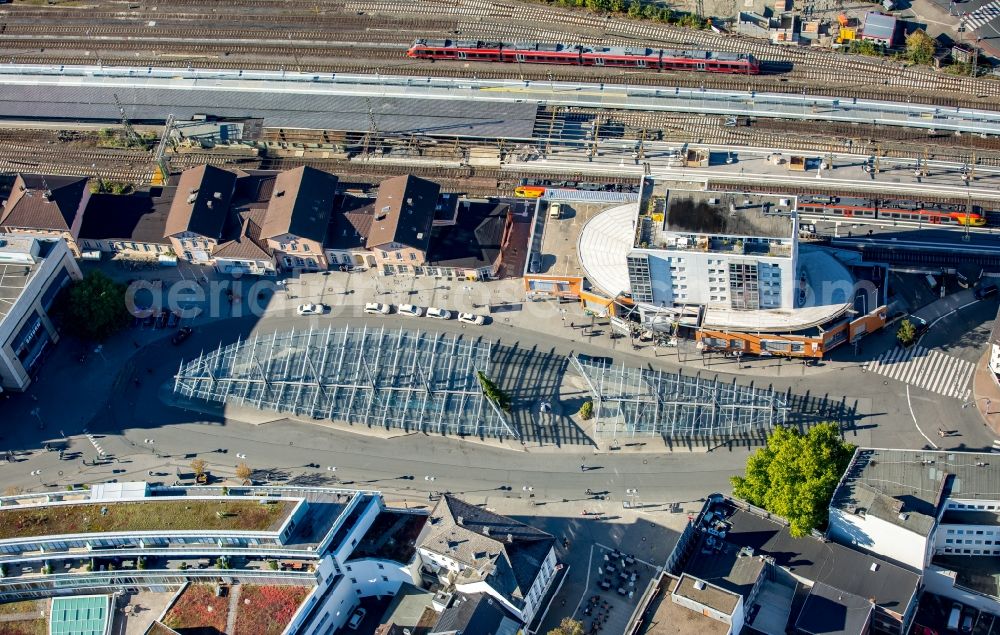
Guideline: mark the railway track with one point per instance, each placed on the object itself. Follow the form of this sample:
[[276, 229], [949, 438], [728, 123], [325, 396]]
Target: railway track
[[387, 22]]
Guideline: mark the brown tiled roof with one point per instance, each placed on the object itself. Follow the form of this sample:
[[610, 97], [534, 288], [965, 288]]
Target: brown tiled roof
[[43, 202], [202, 202], [349, 230], [404, 212], [248, 245], [300, 204]]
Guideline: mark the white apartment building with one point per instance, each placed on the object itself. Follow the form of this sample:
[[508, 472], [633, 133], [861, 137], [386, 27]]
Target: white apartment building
[[716, 249], [934, 511], [33, 273]]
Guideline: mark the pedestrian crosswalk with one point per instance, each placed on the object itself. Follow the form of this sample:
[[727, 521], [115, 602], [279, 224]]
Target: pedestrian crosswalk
[[930, 370], [983, 15]]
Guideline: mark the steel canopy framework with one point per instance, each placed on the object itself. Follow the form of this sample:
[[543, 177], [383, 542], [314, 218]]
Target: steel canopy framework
[[373, 377], [631, 402]]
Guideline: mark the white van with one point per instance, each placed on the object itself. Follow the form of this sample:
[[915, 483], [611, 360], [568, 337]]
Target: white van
[[555, 210], [955, 617]]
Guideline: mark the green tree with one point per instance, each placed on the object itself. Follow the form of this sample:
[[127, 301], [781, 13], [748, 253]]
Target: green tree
[[794, 475], [650, 12], [634, 9], [493, 392], [94, 308], [920, 47], [568, 626], [618, 6], [906, 333], [587, 410]]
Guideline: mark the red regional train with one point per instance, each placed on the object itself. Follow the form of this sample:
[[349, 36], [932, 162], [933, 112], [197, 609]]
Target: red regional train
[[829, 205], [577, 55]]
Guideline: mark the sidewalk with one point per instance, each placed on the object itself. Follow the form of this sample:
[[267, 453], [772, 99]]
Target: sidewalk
[[986, 394]]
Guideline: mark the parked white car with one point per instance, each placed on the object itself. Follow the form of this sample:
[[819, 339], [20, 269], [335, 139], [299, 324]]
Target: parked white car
[[356, 618], [410, 309], [440, 314], [378, 308], [311, 309], [471, 318]]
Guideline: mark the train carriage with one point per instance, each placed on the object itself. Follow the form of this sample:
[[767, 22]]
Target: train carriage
[[561, 53]]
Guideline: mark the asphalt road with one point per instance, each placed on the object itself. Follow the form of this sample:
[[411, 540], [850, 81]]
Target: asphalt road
[[133, 424]]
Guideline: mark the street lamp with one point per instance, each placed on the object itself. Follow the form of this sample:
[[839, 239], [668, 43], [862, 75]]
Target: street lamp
[[37, 473], [241, 456], [430, 478], [150, 443]]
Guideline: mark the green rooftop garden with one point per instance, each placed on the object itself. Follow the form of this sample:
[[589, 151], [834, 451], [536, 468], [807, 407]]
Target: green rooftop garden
[[149, 515]]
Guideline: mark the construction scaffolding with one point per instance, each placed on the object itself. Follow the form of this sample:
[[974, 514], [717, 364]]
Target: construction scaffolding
[[390, 379], [635, 402]]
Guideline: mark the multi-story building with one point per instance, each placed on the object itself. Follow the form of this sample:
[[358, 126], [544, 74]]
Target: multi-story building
[[297, 218], [46, 206], [935, 511], [741, 567], [477, 551], [344, 545], [198, 212], [33, 272], [129, 227], [132, 535], [400, 232], [725, 250]]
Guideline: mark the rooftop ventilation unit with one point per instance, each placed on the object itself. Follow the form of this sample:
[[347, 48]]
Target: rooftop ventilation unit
[[698, 584]]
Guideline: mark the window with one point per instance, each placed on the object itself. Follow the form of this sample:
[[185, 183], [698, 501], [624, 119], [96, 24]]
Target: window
[[385, 255], [380, 566], [385, 579], [354, 580]]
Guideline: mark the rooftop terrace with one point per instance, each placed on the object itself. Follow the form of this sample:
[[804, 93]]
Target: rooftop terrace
[[146, 515]]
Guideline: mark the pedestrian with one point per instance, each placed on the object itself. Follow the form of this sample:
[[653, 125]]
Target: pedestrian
[[941, 432], [583, 468]]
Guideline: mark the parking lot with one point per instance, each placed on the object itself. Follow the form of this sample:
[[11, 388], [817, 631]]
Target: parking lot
[[559, 255], [934, 610]]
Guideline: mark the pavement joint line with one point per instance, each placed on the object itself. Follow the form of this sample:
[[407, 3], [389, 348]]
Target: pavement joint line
[[917, 425]]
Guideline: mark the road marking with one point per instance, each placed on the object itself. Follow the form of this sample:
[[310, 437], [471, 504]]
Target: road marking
[[983, 15], [910, 405], [931, 370]]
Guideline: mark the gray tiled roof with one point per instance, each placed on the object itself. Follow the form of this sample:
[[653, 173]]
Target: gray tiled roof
[[502, 551]]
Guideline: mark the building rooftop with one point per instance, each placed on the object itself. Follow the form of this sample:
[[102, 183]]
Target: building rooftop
[[392, 536], [80, 615], [976, 573], [502, 551], [906, 487], [970, 517], [404, 212], [246, 242], [730, 564], [13, 279], [477, 613], [474, 241], [301, 201], [879, 25], [665, 617], [708, 594], [830, 611], [349, 229], [143, 515], [201, 203], [409, 609], [41, 201], [139, 217], [727, 214]]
